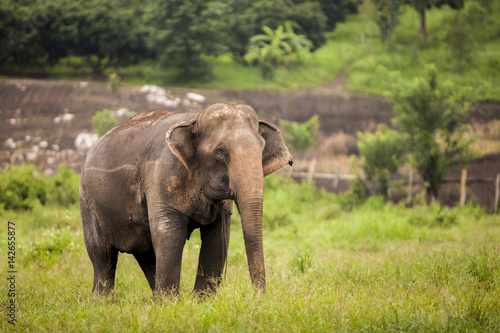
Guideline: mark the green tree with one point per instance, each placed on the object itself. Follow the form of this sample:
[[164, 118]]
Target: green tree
[[460, 40], [185, 33], [383, 152], [433, 118], [100, 32], [247, 17], [384, 13], [20, 26], [337, 10], [301, 136], [275, 47], [421, 6]]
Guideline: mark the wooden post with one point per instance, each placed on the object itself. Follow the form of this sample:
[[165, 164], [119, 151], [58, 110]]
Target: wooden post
[[336, 179], [310, 172], [497, 193], [410, 190], [463, 187]]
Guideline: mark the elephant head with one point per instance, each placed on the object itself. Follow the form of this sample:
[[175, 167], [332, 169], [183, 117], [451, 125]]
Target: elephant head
[[231, 151]]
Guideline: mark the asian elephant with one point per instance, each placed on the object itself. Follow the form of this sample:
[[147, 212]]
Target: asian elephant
[[149, 182]]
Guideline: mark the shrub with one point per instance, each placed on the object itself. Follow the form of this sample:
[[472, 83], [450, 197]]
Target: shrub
[[301, 136], [103, 121], [383, 152], [21, 188], [433, 118], [63, 187], [114, 82]]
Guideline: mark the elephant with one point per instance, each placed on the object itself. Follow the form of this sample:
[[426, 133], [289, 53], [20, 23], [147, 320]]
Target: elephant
[[149, 182]]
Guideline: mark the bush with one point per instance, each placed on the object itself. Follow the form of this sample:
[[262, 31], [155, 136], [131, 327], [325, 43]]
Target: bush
[[62, 189], [103, 121], [383, 153], [22, 188], [301, 136]]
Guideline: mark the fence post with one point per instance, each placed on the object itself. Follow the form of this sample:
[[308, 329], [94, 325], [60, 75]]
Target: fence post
[[463, 187], [410, 191], [497, 193], [310, 172], [336, 179]]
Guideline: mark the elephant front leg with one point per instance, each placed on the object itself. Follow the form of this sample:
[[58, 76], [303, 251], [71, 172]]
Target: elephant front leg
[[169, 238], [213, 254]]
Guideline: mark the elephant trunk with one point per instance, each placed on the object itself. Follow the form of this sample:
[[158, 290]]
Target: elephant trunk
[[249, 191]]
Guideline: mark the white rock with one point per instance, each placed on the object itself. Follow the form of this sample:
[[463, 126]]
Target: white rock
[[57, 120], [195, 97], [121, 112], [43, 144], [31, 156], [36, 149], [152, 89], [10, 143], [67, 117], [85, 141], [83, 84], [55, 147], [27, 138], [12, 121]]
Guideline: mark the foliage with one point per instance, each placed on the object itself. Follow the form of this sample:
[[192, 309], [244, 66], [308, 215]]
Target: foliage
[[384, 13], [24, 188], [421, 6], [103, 121], [460, 40], [62, 188], [248, 17], [114, 82], [276, 47], [355, 196], [433, 118], [301, 136], [21, 188], [184, 33], [383, 153]]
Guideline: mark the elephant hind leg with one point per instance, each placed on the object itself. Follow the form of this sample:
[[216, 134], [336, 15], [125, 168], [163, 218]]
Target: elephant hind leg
[[104, 262], [102, 254], [147, 261]]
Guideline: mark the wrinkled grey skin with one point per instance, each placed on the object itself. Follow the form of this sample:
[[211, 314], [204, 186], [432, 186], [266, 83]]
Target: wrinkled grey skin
[[148, 183]]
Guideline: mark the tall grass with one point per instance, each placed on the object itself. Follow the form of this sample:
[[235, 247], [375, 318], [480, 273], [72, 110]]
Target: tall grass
[[378, 268]]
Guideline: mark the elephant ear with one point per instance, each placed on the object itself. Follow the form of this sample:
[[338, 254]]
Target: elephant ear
[[180, 140], [275, 154]]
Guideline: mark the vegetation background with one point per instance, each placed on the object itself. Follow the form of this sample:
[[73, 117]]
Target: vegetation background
[[335, 262]]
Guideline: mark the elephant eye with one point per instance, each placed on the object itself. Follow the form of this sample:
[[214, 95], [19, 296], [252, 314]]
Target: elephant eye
[[221, 153]]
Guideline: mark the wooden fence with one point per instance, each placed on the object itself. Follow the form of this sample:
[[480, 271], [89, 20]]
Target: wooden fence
[[463, 181]]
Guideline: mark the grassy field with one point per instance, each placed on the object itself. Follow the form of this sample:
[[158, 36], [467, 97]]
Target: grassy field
[[380, 267]]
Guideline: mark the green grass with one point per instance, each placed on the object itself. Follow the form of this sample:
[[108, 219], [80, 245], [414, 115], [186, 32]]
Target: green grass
[[378, 268]]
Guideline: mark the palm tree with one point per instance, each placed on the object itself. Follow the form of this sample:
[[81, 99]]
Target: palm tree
[[276, 47]]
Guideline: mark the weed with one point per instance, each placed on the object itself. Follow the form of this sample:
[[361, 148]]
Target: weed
[[301, 261], [103, 121]]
